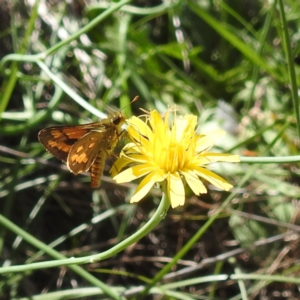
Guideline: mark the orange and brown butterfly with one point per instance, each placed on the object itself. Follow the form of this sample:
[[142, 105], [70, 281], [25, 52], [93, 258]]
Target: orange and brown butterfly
[[85, 147]]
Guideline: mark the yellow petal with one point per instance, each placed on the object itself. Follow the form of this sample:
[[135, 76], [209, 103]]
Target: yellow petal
[[161, 144], [213, 178], [185, 128], [144, 187], [139, 132], [208, 158], [131, 148], [155, 119], [133, 173], [175, 190], [214, 157], [137, 125], [194, 182], [137, 158], [119, 165], [179, 128], [207, 140]]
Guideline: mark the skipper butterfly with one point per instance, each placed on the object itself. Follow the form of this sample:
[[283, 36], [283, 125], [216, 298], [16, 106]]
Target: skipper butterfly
[[84, 147]]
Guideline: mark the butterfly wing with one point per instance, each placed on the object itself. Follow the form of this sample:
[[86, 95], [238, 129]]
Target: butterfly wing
[[58, 140], [84, 151]]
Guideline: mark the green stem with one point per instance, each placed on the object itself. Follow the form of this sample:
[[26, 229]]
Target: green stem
[[270, 160], [159, 9], [10, 84], [290, 64], [77, 269], [62, 261], [185, 248]]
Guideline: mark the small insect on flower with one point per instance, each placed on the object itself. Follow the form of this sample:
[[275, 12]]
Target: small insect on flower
[[84, 147], [169, 154]]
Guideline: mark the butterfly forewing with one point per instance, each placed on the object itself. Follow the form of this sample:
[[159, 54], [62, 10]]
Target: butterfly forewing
[[58, 140]]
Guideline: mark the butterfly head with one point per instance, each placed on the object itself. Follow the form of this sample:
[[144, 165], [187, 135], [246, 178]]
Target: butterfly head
[[117, 119]]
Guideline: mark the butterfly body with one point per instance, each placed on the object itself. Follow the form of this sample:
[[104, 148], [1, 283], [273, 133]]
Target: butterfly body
[[84, 147]]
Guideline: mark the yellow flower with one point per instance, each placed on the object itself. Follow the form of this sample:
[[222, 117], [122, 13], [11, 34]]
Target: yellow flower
[[171, 155]]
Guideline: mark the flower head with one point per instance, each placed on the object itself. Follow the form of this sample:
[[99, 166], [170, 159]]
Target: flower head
[[169, 154]]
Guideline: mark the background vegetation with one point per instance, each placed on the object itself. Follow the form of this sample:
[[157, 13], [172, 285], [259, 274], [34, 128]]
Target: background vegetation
[[229, 62]]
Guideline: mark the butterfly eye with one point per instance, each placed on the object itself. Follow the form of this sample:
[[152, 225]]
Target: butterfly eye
[[117, 120]]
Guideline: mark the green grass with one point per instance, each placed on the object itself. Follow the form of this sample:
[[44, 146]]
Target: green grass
[[231, 64]]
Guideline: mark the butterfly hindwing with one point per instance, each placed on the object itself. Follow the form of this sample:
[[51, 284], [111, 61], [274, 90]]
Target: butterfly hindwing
[[84, 152]]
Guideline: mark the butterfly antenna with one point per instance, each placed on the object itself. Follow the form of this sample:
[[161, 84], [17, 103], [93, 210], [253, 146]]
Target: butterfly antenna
[[133, 100]]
